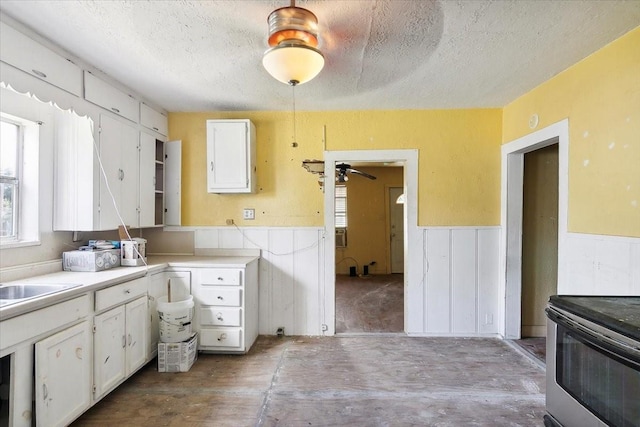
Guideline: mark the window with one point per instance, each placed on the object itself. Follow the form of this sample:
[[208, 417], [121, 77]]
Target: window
[[10, 149], [341, 206], [19, 160]]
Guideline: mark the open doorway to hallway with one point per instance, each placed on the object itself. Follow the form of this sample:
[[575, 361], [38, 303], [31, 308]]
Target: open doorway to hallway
[[534, 220], [369, 253]]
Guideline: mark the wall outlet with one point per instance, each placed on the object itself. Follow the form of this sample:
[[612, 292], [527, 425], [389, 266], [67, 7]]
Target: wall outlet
[[249, 214], [229, 222]]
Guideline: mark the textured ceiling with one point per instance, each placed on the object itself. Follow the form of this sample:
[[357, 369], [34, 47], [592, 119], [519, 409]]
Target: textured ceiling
[[382, 54]]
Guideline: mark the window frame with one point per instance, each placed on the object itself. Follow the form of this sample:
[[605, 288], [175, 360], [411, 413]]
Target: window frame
[[16, 181], [28, 192], [342, 213]]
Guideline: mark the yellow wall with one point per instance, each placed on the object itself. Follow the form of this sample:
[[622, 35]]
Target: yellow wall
[[601, 97], [367, 220], [459, 163]]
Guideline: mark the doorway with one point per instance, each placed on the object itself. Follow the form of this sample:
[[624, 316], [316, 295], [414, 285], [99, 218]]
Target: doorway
[[369, 298], [539, 238], [412, 319], [512, 196]]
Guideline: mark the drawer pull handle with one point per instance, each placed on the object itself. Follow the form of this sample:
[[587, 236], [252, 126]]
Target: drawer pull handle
[[220, 278], [124, 341], [39, 74], [45, 392], [155, 128], [220, 297], [127, 291], [219, 317], [222, 337], [115, 110]]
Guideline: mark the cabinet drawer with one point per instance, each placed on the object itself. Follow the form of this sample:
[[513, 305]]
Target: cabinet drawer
[[220, 337], [103, 94], [220, 316], [27, 326], [220, 276], [153, 120], [213, 295], [118, 294], [30, 56]]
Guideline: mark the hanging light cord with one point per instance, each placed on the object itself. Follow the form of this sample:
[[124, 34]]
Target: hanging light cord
[[293, 96]]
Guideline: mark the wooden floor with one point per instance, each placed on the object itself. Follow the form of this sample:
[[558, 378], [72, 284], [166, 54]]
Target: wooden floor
[[336, 381]]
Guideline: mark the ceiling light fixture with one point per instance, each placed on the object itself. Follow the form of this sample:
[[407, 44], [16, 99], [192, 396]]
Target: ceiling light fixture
[[293, 36]]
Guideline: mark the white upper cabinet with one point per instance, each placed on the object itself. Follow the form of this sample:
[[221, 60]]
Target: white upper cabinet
[[119, 156], [147, 179], [30, 56], [172, 182], [103, 94], [152, 119], [231, 156]]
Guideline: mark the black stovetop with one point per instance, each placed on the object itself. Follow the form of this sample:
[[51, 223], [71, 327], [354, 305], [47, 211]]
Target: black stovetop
[[618, 313]]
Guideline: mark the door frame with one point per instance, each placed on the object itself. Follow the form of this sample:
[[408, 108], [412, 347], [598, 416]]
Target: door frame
[[412, 239], [511, 196]]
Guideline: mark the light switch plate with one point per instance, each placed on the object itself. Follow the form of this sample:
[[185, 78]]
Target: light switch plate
[[249, 214]]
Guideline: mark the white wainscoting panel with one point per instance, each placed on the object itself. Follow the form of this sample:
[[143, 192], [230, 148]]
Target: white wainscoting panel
[[290, 273], [457, 295], [601, 265], [461, 281]]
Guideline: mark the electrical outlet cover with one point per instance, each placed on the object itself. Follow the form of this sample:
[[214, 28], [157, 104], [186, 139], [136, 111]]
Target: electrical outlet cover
[[249, 214]]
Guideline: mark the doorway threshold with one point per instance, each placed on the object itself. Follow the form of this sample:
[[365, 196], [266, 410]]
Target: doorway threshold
[[370, 334]]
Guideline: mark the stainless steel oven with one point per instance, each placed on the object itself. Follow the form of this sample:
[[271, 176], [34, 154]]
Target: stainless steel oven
[[593, 361]]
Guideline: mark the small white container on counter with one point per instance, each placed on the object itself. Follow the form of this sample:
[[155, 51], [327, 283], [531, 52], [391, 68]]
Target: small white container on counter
[[133, 252]]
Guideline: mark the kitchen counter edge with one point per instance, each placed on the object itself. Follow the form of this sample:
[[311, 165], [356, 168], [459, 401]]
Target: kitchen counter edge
[[93, 281]]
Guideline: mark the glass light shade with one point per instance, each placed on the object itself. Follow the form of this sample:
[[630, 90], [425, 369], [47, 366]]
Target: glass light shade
[[293, 64]]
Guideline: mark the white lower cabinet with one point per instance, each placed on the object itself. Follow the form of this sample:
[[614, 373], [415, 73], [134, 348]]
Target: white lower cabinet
[[120, 344], [226, 303], [63, 376]]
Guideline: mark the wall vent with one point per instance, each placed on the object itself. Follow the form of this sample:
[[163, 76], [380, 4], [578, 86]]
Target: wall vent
[[341, 237]]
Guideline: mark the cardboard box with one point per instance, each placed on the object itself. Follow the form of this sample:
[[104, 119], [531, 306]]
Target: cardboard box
[[177, 356], [97, 260]]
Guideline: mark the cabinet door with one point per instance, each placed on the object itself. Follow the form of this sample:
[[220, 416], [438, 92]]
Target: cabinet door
[[228, 156], [109, 350], [173, 182], [103, 94], [147, 179], [119, 156], [157, 288], [63, 376], [30, 56], [153, 119], [136, 324]]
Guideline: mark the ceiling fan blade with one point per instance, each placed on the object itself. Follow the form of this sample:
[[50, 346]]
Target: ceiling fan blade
[[357, 172]]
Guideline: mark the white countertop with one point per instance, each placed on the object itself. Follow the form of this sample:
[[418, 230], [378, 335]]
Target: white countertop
[[91, 281]]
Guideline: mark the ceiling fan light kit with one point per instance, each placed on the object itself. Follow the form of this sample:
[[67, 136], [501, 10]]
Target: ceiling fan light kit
[[293, 57]]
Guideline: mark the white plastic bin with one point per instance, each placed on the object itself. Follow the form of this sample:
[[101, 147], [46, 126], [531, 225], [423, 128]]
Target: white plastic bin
[[175, 319]]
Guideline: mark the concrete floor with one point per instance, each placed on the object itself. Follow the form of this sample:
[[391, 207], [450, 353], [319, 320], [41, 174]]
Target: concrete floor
[[337, 381]]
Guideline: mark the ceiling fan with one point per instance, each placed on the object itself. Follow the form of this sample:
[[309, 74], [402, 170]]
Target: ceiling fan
[[343, 169]]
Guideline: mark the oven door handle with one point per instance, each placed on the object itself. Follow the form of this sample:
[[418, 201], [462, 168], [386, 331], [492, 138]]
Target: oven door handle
[[606, 343]]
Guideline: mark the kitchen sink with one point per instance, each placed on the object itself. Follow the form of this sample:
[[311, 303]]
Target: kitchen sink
[[11, 294]]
